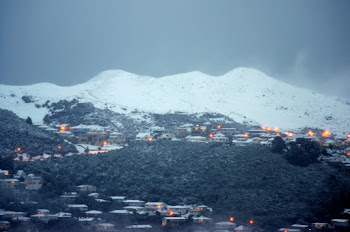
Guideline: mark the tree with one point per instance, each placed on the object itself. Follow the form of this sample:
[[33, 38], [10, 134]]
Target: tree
[[278, 145], [303, 152], [29, 121]]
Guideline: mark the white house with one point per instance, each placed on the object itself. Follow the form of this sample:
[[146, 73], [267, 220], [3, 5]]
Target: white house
[[33, 182], [243, 228], [219, 138], [192, 138], [134, 202], [173, 221], [145, 136], [81, 207], [155, 205], [225, 226]]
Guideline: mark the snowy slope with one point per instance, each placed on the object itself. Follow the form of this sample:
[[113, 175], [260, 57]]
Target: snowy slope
[[244, 94]]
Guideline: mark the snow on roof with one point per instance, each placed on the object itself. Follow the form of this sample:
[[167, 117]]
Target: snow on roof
[[340, 220], [175, 218], [120, 211], [93, 212], [117, 197], [220, 135], [143, 134], [139, 227], [88, 219], [242, 228], [155, 203], [101, 200], [77, 205], [133, 201], [225, 223]]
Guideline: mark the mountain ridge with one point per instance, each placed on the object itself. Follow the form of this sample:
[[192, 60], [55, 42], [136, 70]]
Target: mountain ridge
[[244, 94]]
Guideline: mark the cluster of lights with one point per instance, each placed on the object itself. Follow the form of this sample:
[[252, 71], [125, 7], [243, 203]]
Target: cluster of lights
[[311, 133], [289, 134], [267, 128], [325, 133]]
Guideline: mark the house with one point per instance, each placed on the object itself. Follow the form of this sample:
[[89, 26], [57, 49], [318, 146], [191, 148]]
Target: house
[[118, 198], [155, 205], [104, 226], [143, 136], [225, 226], [94, 195], [242, 143], [63, 215], [93, 213], [96, 137], [33, 182], [181, 209], [139, 227], [166, 136], [228, 131], [192, 138], [301, 227], [116, 137], [134, 209], [134, 203], [243, 228], [81, 207], [20, 174], [9, 184], [219, 138], [202, 220], [289, 230], [69, 197], [4, 225], [344, 223], [4, 174], [43, 211], [319, 225], [120, 212], [85, 188], [173, 221], [13, 214]]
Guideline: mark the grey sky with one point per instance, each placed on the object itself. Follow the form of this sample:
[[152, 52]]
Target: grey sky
[[68, 42]]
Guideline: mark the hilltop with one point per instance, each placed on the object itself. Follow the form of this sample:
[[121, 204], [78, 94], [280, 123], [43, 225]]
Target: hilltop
[[245, 95]]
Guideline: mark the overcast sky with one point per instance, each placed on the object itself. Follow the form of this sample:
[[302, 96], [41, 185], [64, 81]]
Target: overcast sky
[[68, 42]]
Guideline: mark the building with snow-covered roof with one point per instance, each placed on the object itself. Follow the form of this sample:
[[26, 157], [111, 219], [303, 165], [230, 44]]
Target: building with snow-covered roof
[[173, 221], [225, 226], [192, 138], [85, 188], [9, 184], [243, 228], [4, 174], [134, 202], [155, 205], [144, 136], [181, 209], [81, 207], [116, 137], [219, 138], [139, 227], [202, 220], [344, 223]]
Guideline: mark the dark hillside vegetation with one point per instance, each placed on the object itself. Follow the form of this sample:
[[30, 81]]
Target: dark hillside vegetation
[[16, 132], [244, 182]]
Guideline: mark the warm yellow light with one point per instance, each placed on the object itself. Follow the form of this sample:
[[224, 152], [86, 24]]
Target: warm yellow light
[[203, 130], [263, 127], [59, 147], [268, 129], [277, 134], [218, 127], [18, 149], [6, 174], [276, 128], [159, 206], [211, 135], [231, 219], [12, 182], [246, 135], [196, 128], [150, 139], [325, 133], [63, 128], [251, 221], [105, 142], [311, 133], [171, 213]]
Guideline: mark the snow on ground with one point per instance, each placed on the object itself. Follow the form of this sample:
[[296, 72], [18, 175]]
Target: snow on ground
[[244, 94]]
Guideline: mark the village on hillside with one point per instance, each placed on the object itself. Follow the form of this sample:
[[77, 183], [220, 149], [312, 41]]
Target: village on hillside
[[90, 210], [95, 139]]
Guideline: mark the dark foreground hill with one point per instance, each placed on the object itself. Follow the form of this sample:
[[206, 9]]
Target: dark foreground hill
[[244, 182]]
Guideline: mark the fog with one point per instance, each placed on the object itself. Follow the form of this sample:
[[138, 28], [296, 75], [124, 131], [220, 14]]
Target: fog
[[305, 43]]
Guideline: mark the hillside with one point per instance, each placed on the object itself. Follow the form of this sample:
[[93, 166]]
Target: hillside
[[248, 183], [245, 95], [15, 132]]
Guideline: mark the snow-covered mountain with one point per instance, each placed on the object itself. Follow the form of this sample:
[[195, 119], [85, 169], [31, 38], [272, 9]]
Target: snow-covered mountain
[[244, 94]]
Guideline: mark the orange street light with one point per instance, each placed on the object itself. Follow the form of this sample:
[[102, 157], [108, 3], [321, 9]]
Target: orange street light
[[251, 221], [232, 219], [18, 149], [150, 139], [63, 128], [105, 143], [218, 127]]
